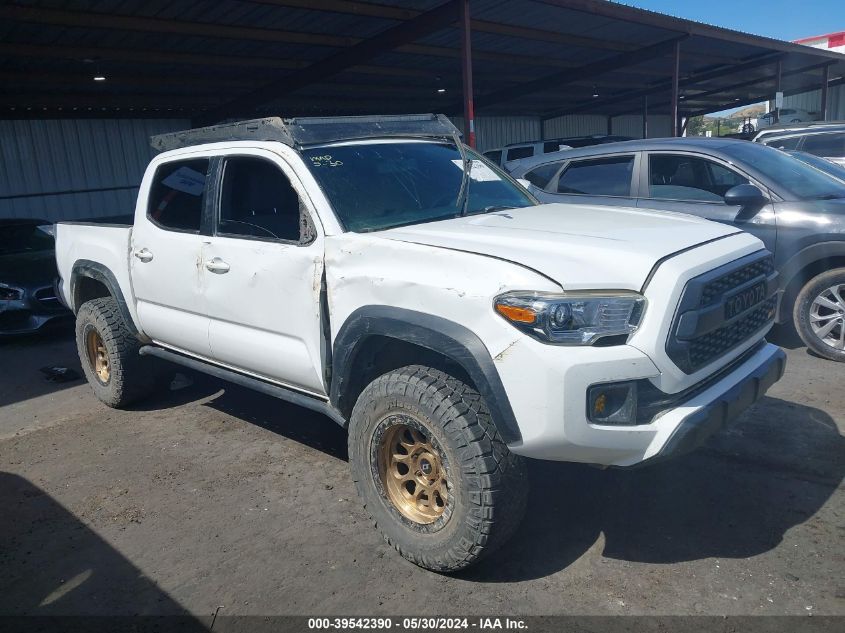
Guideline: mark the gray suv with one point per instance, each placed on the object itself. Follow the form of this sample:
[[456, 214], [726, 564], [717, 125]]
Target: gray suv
[[796, 210]]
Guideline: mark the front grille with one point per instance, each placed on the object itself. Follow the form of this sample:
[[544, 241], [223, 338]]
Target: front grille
[[701, 333], [715, 290], [712, 345]]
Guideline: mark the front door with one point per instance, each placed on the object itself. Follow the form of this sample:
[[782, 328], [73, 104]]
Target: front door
[[693, 184], [165, 253], [263, 271]]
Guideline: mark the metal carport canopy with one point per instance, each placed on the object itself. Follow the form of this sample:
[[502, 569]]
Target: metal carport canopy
[[245, 58]]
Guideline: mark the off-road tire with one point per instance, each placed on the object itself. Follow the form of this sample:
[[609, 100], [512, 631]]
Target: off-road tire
[[487, 484], [131, 376], [803, 305]]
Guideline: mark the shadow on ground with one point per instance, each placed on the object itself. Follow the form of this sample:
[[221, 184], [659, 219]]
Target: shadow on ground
[[53, 564], [52, 347], [734, 498]]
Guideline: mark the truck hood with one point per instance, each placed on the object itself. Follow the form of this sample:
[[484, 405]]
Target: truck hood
[[578, 246]]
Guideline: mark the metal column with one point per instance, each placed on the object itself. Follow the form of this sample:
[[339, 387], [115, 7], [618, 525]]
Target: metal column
[[645, 116], [825, 81], [466, 71], [779, 72], [676, 69]]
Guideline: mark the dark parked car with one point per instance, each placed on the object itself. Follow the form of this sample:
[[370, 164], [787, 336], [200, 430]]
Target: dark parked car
[[28, 274], [797, 210]]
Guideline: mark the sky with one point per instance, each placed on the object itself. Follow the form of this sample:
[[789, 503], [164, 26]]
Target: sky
[[781, 19]]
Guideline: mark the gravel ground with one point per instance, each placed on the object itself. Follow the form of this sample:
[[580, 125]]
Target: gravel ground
[[212, 496]]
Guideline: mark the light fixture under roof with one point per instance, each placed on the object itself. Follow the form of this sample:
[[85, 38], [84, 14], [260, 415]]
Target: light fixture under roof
[[99, 78], [595, 91], [441, 90]]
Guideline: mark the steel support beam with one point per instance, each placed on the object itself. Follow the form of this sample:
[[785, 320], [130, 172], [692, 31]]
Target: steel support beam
[[645, 116], [466, 73], [666, 86], [575, 74], [778, 83], [676, 70], [406, 32], [825, 82]]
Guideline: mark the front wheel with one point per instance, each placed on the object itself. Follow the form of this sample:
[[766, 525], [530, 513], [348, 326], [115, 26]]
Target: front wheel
[[432, 470], [819, 314]]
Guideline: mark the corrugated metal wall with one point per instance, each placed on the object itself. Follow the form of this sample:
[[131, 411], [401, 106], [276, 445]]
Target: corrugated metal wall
[[659, 125], [75, 168], [495, 131], [811, 101]]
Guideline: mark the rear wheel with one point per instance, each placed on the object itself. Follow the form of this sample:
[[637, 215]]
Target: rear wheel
[[820, 314], [109, 355], [434, 474]]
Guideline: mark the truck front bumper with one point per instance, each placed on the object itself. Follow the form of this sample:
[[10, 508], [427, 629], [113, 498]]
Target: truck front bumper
[[557, 427]]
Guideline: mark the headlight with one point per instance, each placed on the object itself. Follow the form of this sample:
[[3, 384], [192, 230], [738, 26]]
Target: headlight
[[572, 319], [8, 293]]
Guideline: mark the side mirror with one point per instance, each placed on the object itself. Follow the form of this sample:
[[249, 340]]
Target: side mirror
[[523, 182], [745, 196]]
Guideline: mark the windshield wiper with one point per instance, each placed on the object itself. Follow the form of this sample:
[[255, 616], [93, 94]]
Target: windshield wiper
[[829, 196], [463, 192], [491, 209]]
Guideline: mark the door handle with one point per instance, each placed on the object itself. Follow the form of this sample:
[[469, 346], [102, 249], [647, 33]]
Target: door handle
[[144, 255], [217, 265]]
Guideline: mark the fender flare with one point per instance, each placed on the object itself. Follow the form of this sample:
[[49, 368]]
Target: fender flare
[[99, 272], [802, 259], [445, 337]]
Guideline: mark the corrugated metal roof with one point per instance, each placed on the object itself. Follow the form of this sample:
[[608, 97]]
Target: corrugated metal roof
[[513, 38]]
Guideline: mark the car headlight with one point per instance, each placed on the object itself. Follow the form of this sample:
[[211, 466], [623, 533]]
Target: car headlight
[[9, 293], [572, 319]]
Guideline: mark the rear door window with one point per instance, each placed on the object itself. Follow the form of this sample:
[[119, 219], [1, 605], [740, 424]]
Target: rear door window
[[540, 176], [599, 177], [177, 195], [784, 143], [832, 145], [515, 153], [494, 156]]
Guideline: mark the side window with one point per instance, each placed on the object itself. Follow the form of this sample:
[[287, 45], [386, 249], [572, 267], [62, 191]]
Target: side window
[[675, 177], [784, 143], [494, 156], [832, 145], [540, 176], [177, 195], [598, 177], [515, 153], [257, 200], [551, 146]]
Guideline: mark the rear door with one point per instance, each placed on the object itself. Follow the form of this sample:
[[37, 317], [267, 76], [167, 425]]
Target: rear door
[[606, 180], [263, 269], [167, 241], [695, 184]]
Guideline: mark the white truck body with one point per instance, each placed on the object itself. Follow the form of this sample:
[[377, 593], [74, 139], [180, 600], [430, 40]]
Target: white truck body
[[263, 316], [381, 273]]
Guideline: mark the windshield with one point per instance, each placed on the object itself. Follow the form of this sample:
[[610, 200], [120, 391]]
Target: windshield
[[380, 185], [788, 174], [23, 238]]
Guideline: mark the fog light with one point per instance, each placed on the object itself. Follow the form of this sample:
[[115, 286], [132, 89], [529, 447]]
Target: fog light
[[613, 403]]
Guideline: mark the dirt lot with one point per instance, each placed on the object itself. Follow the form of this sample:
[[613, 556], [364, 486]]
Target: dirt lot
[[214, 496]]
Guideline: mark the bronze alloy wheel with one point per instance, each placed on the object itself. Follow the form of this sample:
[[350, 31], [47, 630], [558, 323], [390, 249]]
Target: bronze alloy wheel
[[412, 473], [98, 357]]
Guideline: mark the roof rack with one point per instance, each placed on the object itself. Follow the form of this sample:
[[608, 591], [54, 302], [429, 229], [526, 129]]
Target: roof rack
[[304, 131]]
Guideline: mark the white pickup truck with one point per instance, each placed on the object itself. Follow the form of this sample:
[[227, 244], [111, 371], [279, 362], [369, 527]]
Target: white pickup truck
[[377, 270]]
